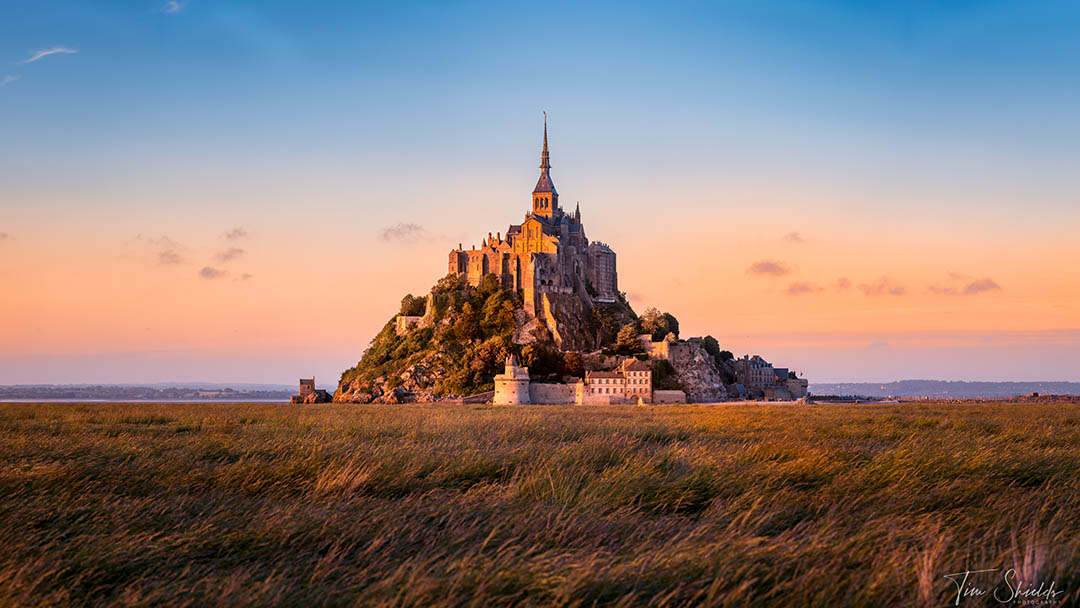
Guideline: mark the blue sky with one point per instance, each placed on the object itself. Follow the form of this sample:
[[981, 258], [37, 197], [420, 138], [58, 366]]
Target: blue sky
[[245, 73], [946, 131]]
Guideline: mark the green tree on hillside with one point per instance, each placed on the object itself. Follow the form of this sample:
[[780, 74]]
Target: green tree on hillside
[[412, 305], [672, 323], [659, 324], [626, 343], [711, 346], [542, 359], [607, 319], [573, 364], [448, 284]]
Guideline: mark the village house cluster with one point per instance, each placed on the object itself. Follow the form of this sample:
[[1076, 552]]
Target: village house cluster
[[757, 378], [629, 383]]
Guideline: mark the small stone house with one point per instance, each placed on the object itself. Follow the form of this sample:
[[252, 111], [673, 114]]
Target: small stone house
[[309, 394]]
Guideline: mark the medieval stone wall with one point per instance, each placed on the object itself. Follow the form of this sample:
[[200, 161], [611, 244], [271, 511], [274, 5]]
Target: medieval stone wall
[[551, 393], [669, 397]]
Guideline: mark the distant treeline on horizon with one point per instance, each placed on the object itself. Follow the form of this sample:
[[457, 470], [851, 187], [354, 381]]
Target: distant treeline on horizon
[[139, 393], [945, 389]]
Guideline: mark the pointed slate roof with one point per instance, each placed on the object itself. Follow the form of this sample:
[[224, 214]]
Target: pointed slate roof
[[544, 185]]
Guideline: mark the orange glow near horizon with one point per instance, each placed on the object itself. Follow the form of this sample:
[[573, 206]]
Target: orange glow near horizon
[[831, 283]]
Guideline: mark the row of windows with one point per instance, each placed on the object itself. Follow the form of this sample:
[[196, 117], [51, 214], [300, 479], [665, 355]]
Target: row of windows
[[614, 391], [618, 381]]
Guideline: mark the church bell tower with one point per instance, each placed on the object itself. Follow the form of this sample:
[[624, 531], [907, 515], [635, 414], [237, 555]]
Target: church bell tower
[[545, 200]]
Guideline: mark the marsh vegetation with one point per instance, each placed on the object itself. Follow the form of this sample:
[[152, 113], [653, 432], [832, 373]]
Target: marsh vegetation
[[420, 505]]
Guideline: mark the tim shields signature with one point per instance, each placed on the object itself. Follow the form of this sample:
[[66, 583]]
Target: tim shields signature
[[1024, 592]]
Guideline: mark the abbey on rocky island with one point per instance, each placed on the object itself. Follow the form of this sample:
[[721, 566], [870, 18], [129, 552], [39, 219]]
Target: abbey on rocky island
[[547, 253], [566, 320]]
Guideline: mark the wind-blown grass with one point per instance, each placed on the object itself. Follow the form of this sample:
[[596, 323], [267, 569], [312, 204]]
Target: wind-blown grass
[[742, 505]]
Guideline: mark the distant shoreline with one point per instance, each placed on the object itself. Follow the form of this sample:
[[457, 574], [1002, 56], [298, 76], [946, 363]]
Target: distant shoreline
[[169, 401]]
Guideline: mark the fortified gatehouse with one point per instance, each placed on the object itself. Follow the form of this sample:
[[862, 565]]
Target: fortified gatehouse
[[547, 252]]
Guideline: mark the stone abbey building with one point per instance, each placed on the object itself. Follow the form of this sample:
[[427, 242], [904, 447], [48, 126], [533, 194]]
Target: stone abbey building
[[548, 253]]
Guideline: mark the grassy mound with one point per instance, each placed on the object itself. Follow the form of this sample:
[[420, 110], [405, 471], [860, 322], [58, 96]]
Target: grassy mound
[[463, 342], [465, 339]]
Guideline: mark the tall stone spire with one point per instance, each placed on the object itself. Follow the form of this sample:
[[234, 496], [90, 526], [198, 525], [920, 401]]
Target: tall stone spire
[[545, 197], [545, 161]]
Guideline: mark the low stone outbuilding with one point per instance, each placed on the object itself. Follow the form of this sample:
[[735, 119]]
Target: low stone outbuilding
[[309, 394]]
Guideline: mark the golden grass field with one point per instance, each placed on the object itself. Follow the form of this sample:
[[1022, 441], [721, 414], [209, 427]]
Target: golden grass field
[[343, 505]]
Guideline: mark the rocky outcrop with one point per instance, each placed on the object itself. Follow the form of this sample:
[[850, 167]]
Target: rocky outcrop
[[395, 395], [567, 318], [413, 385], [317, 396], [525, 326], [696, 371]]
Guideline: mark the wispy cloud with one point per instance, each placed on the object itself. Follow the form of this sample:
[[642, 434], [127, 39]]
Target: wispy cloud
[[229, 254], [243, 277], [884, 287], [236, 233], [402, 232], [4, 236], [8, 79], [167, 257], [842, 284], [980, 285], [173, 7], [768, 267], [796, 289], [794, 237], [970, 288], [162, 250], [208, 272], [56, 50]]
